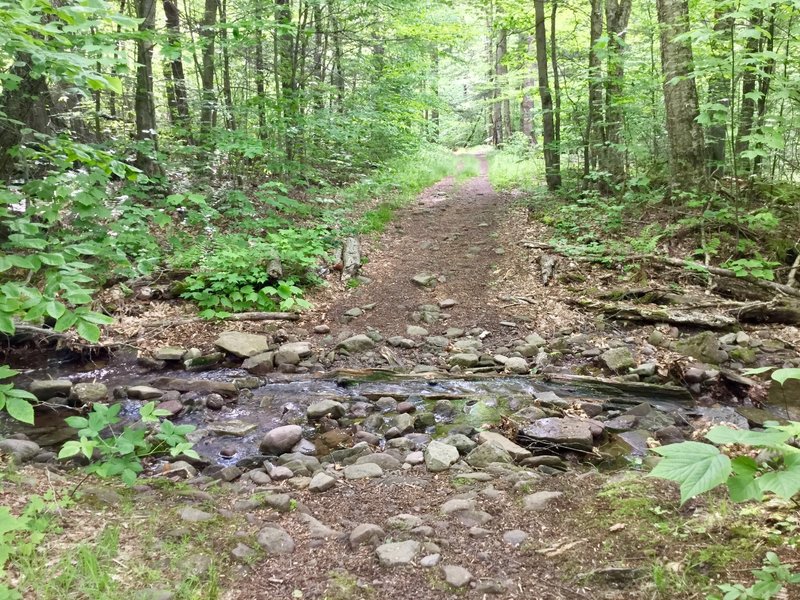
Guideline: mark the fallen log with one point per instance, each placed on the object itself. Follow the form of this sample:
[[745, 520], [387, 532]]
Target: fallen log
[[645, 296], [640, 391], [777, 311], [245, 316], [351, 257], [627, 312], [547, 265]]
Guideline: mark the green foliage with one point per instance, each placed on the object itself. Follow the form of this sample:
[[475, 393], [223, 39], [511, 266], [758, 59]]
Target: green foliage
[[121, 454], [20, 535], [752, 267], [15, 402], [770, 582]]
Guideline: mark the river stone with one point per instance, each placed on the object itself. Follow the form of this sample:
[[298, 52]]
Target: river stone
[[204, 362], [456, 576], [403, 422], [486, 454], [88, 393], [357, 343], [366, 533], [517, 366], [243, 345], [387, 462], [169, 353], [516, 451], [144, 392], [401, 342], [173, 407], [21, 450], [463, 444], [231, 427], [539, 500], [286, 357], [704, 347], [467, 345], [275, 541], [326, 408], [321, 482], [195, 515], [44, 389], [362, 471], [566, 433], [281, 439], [260, 364], [463, 360], [416, 331], [440, 456], [302, 349], [425, 280], [617, 359], [534, 339], [397, 554]]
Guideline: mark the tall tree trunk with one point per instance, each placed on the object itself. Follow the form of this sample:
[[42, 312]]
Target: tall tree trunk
[[230, 119], [144, 102], [502, 76], [552, 159], [556, 81], [318, 68], [526, 106], [434, 131], [617, 14], [260, 87], [337, 72], [208, 34], [747, 106], [765, 81], [284, 41], [719, 91], [178, 78], [595, 107], [680, 94]]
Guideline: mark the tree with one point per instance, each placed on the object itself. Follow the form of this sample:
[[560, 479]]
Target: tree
[[552, 157], [146, 130]]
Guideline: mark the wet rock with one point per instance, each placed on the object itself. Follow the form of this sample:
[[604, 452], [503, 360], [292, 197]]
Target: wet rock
[[669, 435], [636, 441], [486, 454], [260, 364], [387, 462], [281, 439], [214, 401], [622, 423], [617, 359], [397, 554], [357, 343], [463, 444], [362, 471], [517, 366], [321, 482], [144, 392], [194, 515], [516, 451], [243, 345], [404, 423], [567, 433], [45, 389], [326, 408], [174, 353], [203, 363], [456, 576], [173, 407], [275, 541], [88, 393], [444, 409], [20, 450], [366, 533], [463, 360], [704, 347], [405, 407], [440, 457], [539, 500]]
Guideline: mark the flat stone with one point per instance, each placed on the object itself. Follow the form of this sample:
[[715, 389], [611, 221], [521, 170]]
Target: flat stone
[[397, 554], [44, 389], [539, 500], [515, 537], [486, 454], [416, 331], [21, 450], [472, 518], [431, 560], [456, 576], [463, 360], [243, 345], [362, 471], [704, 347], [169, 353], [275, 541], [366, 533], [302, 349], [456, 505], [281, 439], [326, 408], [516, 451], [440, 456], [562, 432], [286, 357], [321, 482], [318, 530], [232, 427], [617, 359], [357, 343], [260, 364], [144, 392], [195, 515], [173, 407], [425, 280], [387, 462], [89, 393]]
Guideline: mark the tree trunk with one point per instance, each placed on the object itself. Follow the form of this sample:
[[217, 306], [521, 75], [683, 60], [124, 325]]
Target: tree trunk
[[434, 131], [285, 70], [178, 78], [552, 164], [764, 82], [208, 114], [680, 94], [595, 108], [719, 91], [230, 120], [556, 81], [617, 14], [502, 77], [260, 87], [526, 106], [337, 74], [144, 103]]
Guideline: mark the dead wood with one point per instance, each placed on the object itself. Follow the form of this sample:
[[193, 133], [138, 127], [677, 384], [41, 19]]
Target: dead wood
[[245, 316], [547, 264], [629, 312], [777, 311], [351, 257], [645, 391]]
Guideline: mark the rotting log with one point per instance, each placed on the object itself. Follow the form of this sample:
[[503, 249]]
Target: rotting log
[[627, 312], [645, 391], [778, 311], [351, 257], [547, 264], [245, 316]]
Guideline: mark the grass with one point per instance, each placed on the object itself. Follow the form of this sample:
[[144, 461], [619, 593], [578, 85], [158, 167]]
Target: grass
[[508, 171]]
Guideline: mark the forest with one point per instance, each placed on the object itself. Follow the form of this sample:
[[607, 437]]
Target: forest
[[312, 298]]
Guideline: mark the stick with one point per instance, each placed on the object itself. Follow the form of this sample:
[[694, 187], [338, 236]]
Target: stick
[[245, 316]]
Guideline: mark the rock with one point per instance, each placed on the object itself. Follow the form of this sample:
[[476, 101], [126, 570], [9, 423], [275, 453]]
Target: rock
[[144, 392], [231, 427], [723, 414], [463, 444], [322, 329], [243, 553], [153, 594], [403, 422], [179, 468], [88, 393], [362, 471], [286, 357], [456, 576], [416, 331], [440, 457], [281, 439], [397, 554], [568, 433], [785, 399], [617, 360], [444, 409], [203, 363], [275, 541], [45, 389], [260, 364], [326, 408], [516, 451], [20, 450], [415, 458], [463, 360], [279, 473], [243, 345], [515, 537], [404, 522], [195, 515], [486, 454], [744, 355], [279, 502], [457, 505], [321, 482], [517, 366], [366, 533], [173, 407], [316, 529], [169, 353], [302, 349], [454, 332], [704, 347], [401, 342], [230, 473], [357, 343], [425, 280], [405, 407], [431, 560], [387, 462], [539, 500]]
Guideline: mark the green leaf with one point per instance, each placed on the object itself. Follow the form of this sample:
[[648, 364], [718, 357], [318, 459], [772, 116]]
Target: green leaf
[[67, 320], [6, 372], [783, 375], [20, 409], [55, 309], [97, 318], [784, 482], [88, 331], [725, 435], [757, 371], [743, 485], [695, 466], [7, 324]]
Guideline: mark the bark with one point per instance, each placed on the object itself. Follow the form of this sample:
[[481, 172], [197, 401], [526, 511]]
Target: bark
[[595, 108], [230, 120], [627, 312], [526, 106], [617, 14], [434, 131], [178, 79], [208, 34], [680, 94], [747, 105], [551, 155], [144, 102], [719, 91], [764, 82], [260, 87], [285, 73], [337, 73], [502, 77], [556, 80]]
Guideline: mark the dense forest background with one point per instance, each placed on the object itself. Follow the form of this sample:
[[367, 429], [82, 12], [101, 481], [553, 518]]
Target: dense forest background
[[210, 138]]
